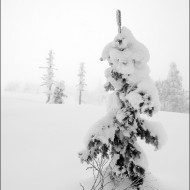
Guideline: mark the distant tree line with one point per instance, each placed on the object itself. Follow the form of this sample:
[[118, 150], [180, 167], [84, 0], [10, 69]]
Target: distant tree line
[[173, 97]]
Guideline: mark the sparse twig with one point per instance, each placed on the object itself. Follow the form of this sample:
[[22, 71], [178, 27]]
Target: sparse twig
[[101, 175], [82, 186]]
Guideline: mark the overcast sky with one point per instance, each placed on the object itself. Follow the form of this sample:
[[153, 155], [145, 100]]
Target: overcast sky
[[78, 30]]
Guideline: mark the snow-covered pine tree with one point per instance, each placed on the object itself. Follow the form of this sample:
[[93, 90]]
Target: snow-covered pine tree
[[176, 95], [114, 137], [171, 93], [48, 78], [59, 93], [81, 84], [162, 87]]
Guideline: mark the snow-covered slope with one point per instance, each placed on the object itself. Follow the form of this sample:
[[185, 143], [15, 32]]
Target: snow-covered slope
[[40, 143]]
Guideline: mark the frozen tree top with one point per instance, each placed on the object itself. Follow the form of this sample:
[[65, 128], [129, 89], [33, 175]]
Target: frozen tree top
[[128, 46]]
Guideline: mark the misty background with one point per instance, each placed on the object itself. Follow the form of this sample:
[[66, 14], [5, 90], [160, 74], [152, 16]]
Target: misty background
[[77, 31]]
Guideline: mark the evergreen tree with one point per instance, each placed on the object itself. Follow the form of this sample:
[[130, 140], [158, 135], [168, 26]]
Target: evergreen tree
[[171, 92], [48, 78], [162, 86], [59, 93], [114, 137], [175, 90], [81, 84]]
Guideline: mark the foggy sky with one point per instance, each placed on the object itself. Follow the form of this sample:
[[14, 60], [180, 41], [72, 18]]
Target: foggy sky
[[77, 31]]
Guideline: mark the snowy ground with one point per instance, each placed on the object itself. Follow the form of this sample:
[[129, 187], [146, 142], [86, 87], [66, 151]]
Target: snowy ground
[[40, 143]]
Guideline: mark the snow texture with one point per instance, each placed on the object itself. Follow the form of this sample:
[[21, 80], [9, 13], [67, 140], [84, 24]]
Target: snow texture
[[102, 130], [113, 103], [39, 145], [126, 42]]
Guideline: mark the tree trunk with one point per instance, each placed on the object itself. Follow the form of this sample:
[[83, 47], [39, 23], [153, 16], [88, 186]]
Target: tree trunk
[[80, 97], [49, 95]]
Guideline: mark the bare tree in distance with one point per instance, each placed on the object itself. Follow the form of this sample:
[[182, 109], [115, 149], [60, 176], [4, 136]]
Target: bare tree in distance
[[81, 84], [48, 78]]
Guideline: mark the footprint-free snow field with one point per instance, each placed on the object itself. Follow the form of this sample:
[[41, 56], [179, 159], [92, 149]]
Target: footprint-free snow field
[[40, 145]]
